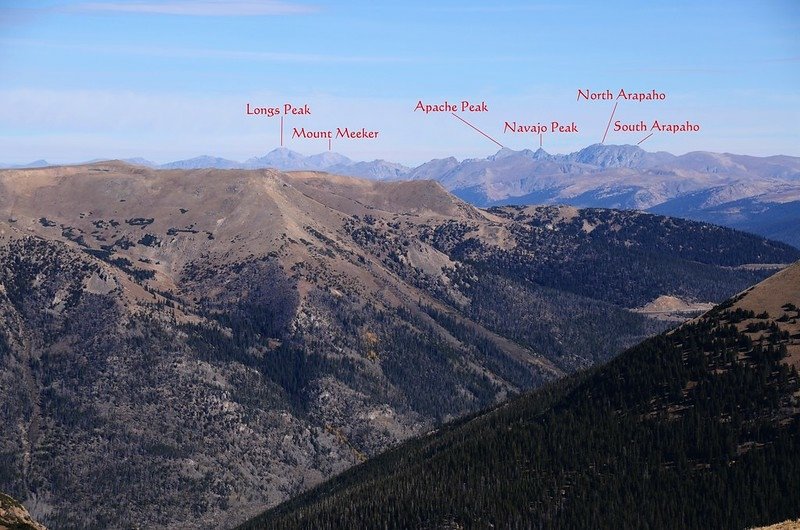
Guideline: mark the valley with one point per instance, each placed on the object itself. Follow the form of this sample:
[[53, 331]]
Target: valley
[[192, 346], [695, 428]]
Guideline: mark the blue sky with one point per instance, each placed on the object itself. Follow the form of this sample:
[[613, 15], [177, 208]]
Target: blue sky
[[170, 79]]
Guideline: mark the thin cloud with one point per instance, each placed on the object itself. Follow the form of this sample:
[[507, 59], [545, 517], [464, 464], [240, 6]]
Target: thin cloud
[[498, 9], [777, 60], [205, 53], [208, 8], [266, 56], [274, 56]]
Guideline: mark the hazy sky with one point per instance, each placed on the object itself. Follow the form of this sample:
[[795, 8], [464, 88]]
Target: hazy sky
[[170, 79]]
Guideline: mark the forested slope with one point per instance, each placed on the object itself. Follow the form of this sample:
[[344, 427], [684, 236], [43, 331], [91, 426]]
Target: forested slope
[[697, 428]]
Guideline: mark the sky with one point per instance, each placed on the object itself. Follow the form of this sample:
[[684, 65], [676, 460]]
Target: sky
[[169, 80]]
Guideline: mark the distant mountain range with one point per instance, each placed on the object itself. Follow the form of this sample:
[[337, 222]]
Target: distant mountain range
[[34, 164], [280, 158], [755, 194], [287, 160]]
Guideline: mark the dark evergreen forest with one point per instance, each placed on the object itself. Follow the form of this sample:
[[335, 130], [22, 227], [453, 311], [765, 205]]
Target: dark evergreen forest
[[697, 428]]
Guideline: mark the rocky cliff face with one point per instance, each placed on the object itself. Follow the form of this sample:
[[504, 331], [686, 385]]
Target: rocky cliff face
[[14, 516]]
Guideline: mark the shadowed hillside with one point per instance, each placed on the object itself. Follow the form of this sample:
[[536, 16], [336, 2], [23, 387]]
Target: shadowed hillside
[[695, 428]]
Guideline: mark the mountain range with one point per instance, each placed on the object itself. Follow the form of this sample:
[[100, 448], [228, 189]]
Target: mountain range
[[755, 194], [184, 348], [760, 195]]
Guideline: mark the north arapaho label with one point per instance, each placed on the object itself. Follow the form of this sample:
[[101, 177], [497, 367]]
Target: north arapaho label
[[627, 95]]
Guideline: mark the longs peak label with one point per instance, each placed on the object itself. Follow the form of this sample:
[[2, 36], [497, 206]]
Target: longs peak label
[[287, 109]]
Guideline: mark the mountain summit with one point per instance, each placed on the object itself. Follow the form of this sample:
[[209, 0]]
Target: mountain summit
[[286, 159], [611, 156]]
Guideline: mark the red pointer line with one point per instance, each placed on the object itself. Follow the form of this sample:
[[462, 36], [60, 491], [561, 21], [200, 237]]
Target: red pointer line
[[609, 122], [645, 138], [480, 131], [281, 131], [329, 144]]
